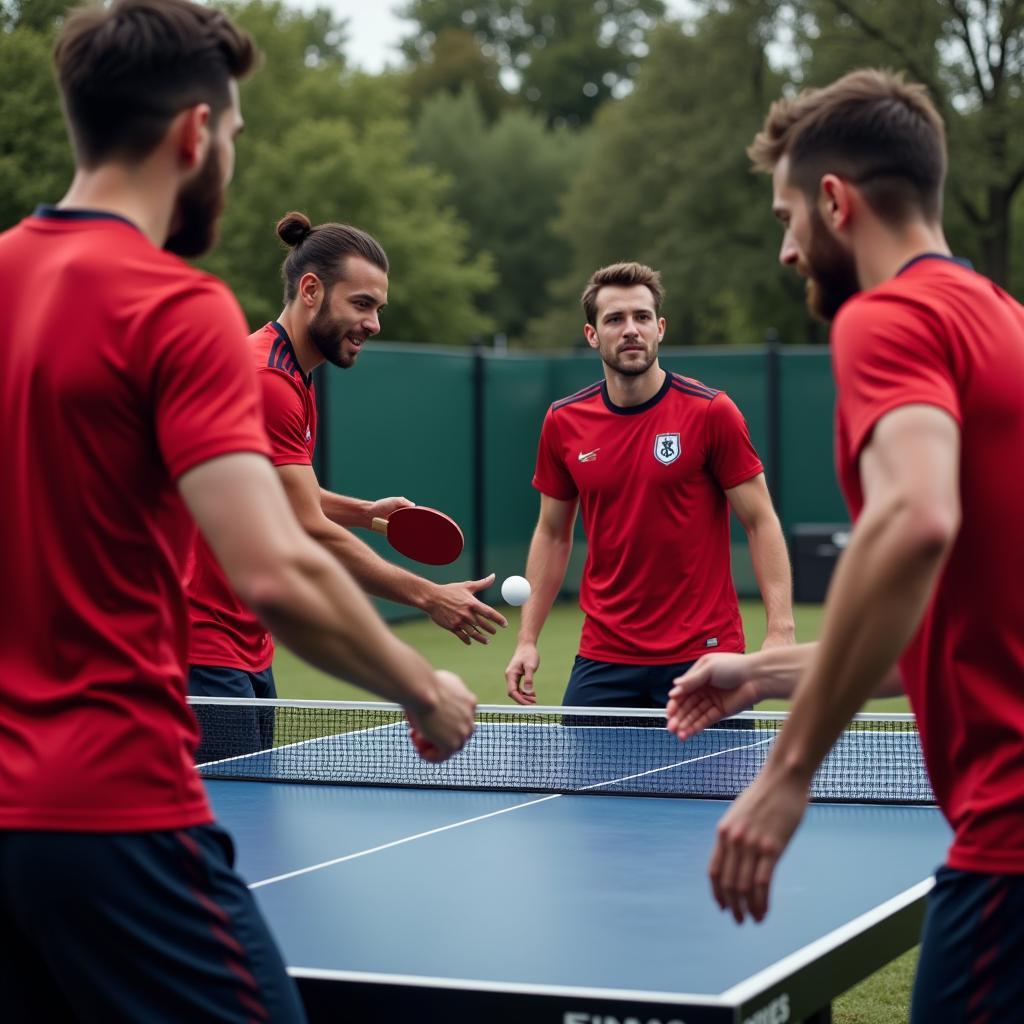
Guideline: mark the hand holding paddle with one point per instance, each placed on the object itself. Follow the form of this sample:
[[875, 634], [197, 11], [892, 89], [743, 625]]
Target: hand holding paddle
[[422, 534]]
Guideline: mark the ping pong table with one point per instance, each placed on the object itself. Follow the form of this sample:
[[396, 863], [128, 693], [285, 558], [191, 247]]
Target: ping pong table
[[547, 896]]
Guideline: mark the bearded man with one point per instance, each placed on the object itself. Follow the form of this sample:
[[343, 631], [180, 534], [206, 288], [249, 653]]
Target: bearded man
[[654, 461]]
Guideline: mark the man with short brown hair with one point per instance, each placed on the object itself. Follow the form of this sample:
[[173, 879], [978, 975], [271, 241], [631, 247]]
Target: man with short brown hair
[[654, 461], [928, 359], [129, 413]]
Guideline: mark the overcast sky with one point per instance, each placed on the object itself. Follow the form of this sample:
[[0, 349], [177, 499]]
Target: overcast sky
[[374, 30]]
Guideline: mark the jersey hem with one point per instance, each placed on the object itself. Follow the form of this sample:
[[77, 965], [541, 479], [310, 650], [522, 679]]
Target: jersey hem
[[87, 820], [548, 492], [742, 478], [859, 436], [216, 661], [223, 446], [617, 658], [986, 863]]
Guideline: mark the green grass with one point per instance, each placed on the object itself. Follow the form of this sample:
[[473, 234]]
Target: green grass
[[884, 998], [483, 668]]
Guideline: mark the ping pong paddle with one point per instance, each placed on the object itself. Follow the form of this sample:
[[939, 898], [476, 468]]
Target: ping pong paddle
[[422, 534]]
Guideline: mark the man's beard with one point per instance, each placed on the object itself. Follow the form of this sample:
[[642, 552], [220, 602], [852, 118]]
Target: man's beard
[[632, 368], [832, 272], [327, 335], [199, 206]]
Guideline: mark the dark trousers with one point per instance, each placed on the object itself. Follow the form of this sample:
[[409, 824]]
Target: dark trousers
[[231, 732], [122, 928], [603, 684], [971, 969]]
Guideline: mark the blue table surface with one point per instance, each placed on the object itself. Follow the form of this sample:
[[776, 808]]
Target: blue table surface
[[591, 891]]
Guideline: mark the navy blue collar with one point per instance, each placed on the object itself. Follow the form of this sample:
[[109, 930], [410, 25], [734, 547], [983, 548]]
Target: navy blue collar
[[935, 256], [283, 335], [634, 410], [48, 212]]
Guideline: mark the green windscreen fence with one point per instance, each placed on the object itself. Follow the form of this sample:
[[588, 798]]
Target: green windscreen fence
[[458, 430]]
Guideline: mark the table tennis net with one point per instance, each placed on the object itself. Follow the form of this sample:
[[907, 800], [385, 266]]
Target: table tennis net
[[545, 750]]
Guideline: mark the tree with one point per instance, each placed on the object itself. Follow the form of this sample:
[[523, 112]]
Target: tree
[[453, 61], [970, 54], [35, 159], [336, 145], [668, 183], [563, 57], [507, 180], [40, 15]]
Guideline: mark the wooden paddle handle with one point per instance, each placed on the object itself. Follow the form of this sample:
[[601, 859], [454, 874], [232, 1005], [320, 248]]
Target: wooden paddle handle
[[380, 525]]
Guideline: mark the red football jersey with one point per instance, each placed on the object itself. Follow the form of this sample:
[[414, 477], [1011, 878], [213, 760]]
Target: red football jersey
[[938, 334], [224, 632], [657, 586], [121, 368]]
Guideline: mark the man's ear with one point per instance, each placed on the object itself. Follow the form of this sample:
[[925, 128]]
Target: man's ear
[[191, 130], [309, 290], [835, 200]]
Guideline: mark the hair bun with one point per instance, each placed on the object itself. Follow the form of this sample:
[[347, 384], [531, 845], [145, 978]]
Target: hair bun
[[293, 228]]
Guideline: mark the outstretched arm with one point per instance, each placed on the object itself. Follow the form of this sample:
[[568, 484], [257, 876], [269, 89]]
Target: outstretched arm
[[719, 685], [453, 606], [311, 602], [883, 582]]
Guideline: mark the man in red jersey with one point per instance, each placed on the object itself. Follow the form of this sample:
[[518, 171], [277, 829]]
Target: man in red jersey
[[654, 461], [928, 359], [128, 409], [336, 285]]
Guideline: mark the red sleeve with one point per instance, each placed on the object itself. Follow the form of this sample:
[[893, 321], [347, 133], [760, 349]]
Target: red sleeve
[[196, 367], [284, 415], [551, 476], [731, 453], [887, 353]]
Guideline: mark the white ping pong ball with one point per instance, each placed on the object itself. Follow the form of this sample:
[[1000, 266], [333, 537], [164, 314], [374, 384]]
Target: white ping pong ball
[[515, 590]]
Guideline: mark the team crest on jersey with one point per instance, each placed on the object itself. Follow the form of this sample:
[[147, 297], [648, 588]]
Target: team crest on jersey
[[666, 448]]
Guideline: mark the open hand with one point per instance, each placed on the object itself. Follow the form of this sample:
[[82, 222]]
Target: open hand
[[718, 685], [455, 607]]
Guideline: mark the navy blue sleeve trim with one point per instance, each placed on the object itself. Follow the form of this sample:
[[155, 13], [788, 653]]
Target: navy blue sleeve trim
[[588, 392], [692, 387]]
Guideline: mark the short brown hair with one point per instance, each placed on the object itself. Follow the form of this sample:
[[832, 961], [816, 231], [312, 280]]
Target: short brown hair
[[621, 275], [871, 127], [322, 250], [126, 71]]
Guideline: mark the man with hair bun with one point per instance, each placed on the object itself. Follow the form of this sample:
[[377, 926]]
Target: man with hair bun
[[928, 358], [335, 288], [654, 461], [129, 414]]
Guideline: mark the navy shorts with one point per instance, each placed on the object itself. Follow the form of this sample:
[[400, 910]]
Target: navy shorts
[[131, 927], [231, 733], [603, 684], [971, 969]]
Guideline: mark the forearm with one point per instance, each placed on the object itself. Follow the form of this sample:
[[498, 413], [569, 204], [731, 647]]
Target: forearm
[[776, 672], [879, 594], [545, 569], [770, 560], [317, 610], [349, 512], [374, 574]]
